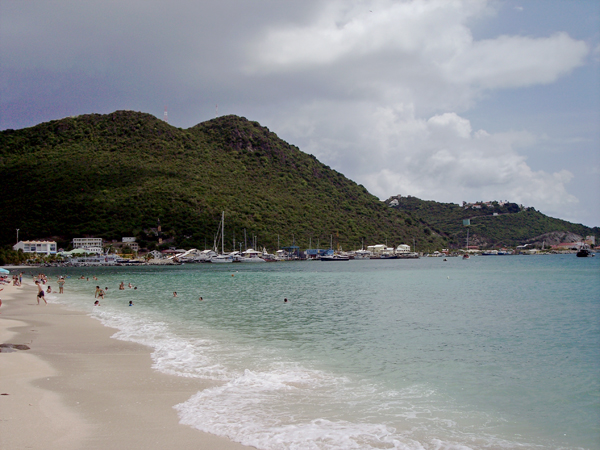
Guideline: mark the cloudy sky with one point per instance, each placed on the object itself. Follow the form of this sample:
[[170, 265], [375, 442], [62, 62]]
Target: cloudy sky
[[446, 100]]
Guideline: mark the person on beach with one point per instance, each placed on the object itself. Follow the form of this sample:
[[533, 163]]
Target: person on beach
[[122, 286], [130, 286], [49, 290], [101, 294], [174, 294], [97, 303], [97, 291], [40, 293], [130, 303], [61, 284]]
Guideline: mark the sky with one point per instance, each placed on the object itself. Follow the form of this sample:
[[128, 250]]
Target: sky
[[446, 100]]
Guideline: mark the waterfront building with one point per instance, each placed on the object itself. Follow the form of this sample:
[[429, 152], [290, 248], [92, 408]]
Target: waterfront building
[[45, 247], [92, 245]]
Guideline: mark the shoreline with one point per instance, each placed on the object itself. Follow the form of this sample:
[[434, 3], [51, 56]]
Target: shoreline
[[78, 388]]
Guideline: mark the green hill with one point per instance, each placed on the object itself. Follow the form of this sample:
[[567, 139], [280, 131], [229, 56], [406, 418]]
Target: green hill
[[492, 225], [114, 175]]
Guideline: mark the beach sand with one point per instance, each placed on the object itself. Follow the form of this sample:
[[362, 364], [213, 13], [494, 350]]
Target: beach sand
[[78, 388]]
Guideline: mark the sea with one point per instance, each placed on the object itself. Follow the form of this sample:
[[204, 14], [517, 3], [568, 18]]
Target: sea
[[494, 352]]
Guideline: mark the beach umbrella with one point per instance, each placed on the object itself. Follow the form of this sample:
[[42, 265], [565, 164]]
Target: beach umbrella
[[2, 270]]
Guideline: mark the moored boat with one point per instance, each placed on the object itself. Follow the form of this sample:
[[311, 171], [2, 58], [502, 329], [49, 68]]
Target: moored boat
[[335, 258]]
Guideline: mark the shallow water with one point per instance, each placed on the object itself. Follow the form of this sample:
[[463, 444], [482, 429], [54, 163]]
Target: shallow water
[[493, 352]]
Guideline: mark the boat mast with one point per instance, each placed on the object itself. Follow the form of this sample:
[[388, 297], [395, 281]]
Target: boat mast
[[223, 233]]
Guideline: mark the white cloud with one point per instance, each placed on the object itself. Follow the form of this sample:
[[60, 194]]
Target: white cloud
[[516, 61], [393, 83], [441, 158], [412, 52]]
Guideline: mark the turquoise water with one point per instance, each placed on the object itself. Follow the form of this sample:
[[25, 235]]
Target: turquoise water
[[493, 352]]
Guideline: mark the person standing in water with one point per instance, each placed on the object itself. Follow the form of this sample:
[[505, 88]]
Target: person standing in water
[[40, 293], [61, 283]]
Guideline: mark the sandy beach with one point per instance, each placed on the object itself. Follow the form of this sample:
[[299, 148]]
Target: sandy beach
[[78, 388]]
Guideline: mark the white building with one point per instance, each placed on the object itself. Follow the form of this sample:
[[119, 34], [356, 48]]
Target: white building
[[403, 248], [88, 243], [134, 246], [46, 247], [128, 239]]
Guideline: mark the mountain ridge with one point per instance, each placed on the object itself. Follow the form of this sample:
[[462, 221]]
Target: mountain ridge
[[492, 224], [114, 175]]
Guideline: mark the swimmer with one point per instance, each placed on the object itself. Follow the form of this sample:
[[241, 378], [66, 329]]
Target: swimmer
[[130, 286], [49, 290], [97, 290], [122, 286], [101, 294], [174, 294], [97, 303], [200, 299], [135, 288], [285, 300], [130, 303]]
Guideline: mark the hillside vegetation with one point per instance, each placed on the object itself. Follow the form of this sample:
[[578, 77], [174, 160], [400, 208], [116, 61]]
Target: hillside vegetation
[[511, 226], [115, 175]]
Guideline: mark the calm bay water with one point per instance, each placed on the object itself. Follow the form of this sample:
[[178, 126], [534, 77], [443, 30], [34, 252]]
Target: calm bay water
[[493, 352]]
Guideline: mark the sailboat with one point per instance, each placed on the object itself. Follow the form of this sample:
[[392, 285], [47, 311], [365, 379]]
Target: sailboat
[[222, 258], [466, 255]]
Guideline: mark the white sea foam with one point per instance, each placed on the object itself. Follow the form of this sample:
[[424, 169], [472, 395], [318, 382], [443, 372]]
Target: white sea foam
[[280, 409], [291, 407], [172, 354]]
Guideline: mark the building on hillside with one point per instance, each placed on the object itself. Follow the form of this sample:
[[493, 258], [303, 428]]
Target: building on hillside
[[90, 244], [45, 247], [130, 242], [568, 246], [134, 246]]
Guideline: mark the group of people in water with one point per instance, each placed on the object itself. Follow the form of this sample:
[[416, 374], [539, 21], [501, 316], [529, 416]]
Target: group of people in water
[[101, 292], [40, 280]]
